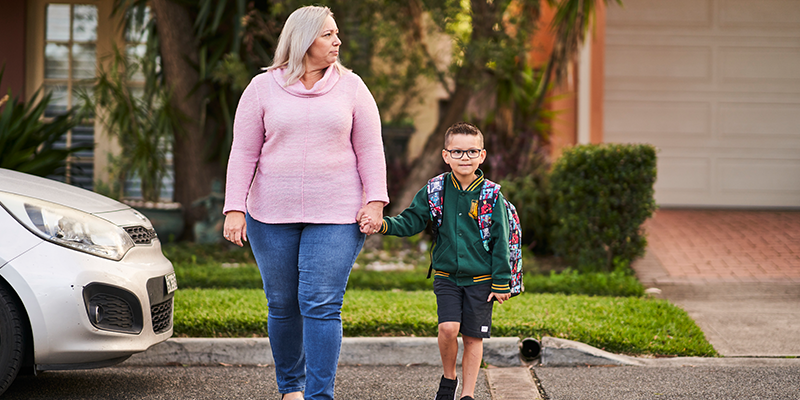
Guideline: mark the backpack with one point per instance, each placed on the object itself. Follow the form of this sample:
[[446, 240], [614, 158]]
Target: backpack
[[486, 202]]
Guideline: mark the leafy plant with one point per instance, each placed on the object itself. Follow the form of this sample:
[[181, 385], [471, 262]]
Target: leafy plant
[[27, 142], [601, 196], [142, 122]]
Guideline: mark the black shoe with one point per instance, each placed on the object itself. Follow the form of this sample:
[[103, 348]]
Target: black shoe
[[467, 398], [447, 389]]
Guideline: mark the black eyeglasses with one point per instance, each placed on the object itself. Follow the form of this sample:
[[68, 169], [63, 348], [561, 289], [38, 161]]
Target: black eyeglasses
[[458, 154]]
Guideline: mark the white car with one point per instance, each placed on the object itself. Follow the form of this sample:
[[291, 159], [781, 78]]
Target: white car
[[83, 281]]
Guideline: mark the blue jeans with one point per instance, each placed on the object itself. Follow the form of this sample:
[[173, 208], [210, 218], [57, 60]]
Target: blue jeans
[[305, 268]]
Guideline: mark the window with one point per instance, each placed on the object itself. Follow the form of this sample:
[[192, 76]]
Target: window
[[66, 42], [70, 59], [136, 50]]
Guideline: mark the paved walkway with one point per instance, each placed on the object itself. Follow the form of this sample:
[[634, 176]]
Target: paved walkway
[[703, 246], [736, 273]]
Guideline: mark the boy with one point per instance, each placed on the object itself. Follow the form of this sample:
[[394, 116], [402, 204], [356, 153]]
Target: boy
[[467, 277]]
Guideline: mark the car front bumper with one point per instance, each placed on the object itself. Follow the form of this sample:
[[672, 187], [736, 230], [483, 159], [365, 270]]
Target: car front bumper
[[57, 285]]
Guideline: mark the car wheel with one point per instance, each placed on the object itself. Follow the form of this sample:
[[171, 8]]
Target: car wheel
[[12, 338]]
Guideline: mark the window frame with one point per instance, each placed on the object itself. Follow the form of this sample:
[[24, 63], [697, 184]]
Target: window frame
[[107, 37]]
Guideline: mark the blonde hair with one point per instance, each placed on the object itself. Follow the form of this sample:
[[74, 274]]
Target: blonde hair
[[302, 27]]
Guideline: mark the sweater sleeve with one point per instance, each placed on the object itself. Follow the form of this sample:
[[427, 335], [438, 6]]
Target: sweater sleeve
[[368, 145], [501, 269], [248, 139], [412, 220]]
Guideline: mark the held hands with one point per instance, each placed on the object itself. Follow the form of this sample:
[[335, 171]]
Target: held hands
[[500, 297], [235, 229], [370, 217]]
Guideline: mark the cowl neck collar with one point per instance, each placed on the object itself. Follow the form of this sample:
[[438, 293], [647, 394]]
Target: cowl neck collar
[[321, 87]]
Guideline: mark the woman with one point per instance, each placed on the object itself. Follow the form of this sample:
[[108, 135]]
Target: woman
[[306, 163]]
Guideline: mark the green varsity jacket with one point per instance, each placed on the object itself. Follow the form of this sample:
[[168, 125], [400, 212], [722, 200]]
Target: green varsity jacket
[[458, 253]]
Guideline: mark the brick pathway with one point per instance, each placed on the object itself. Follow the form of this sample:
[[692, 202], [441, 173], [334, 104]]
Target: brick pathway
[[704, 246]]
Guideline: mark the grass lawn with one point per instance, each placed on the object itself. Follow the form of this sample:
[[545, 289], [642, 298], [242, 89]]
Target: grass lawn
[[631, 325], [246, 276]]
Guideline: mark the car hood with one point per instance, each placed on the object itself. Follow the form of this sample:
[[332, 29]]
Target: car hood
[[57, 192]]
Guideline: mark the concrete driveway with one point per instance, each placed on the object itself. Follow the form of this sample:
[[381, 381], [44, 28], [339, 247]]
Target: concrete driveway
[[737, 274]]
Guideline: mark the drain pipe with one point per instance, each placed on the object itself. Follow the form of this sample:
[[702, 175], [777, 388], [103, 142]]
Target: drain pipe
[[530, 349]]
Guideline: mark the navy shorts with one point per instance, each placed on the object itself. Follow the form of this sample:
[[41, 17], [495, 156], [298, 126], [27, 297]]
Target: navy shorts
[[466, 305]]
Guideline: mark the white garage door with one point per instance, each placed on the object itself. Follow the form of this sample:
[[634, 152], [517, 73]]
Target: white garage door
[[715, 85]]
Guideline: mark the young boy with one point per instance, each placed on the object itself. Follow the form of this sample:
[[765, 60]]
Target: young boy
[[467, 277]]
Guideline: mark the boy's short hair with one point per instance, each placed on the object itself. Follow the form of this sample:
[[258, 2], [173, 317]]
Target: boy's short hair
[[462, 128]]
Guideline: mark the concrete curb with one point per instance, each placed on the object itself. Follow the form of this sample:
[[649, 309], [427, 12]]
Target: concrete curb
[[498, 352], [568, 353]]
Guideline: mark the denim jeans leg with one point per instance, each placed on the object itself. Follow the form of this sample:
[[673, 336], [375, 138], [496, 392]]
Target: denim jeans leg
[[276, 249], [327, 254]]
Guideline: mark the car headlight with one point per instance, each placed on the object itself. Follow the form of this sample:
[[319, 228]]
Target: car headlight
[[68, 227]]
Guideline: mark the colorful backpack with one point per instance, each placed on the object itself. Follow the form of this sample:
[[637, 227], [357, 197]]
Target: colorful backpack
[[486, 202]]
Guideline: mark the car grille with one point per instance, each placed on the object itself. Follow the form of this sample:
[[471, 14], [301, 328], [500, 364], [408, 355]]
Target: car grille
[[111, 312], [162, 316], [113, 308], [141, 235]]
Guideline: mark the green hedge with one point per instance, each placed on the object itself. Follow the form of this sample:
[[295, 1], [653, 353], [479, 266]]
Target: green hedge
[[530, 196], [600, 196]]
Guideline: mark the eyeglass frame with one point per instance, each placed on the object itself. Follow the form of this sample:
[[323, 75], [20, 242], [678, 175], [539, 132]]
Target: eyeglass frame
[[464, 153]]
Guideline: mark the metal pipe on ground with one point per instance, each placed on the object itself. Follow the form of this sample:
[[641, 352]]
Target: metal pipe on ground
[[530, 349]]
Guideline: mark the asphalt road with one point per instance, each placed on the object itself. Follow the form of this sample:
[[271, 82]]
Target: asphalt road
[[671, 383], [415, 382], [220, 382]]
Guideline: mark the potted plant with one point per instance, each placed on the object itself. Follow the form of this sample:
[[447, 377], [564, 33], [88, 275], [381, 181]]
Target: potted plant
[[142, 121]]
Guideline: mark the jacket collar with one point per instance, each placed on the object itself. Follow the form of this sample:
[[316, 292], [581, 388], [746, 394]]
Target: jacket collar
[[476, 184]]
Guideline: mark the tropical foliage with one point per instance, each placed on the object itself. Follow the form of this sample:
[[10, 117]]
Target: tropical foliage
[[141, 119], [28, 143], [476, 50]]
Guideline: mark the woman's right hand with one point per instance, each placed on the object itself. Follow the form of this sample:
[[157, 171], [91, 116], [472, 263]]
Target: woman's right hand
[[235, 229]]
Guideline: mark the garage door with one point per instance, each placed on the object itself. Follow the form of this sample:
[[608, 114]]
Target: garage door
[[715, 85]]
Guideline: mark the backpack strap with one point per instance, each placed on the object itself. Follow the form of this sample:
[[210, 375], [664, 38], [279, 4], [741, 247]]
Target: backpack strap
[[435, 201], [486, 203]]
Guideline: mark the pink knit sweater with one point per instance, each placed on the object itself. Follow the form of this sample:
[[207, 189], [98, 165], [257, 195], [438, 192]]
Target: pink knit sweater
[[306, 155]]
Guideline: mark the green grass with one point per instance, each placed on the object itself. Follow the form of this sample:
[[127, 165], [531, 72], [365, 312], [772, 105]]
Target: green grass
[[189, 253], [223, 266], [217, 276], [617, 283], [628, 325], [246, 276], [221, 296]]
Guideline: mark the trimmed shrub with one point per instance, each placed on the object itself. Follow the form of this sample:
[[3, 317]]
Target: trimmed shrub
[[601, 195], [530, 196]]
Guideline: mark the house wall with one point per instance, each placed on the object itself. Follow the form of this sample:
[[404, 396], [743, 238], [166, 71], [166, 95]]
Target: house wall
[[564, 99], [715, 86], [597, 66], [12, 48]]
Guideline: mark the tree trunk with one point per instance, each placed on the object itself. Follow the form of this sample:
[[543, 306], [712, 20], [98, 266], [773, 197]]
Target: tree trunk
[[179, 50], [430, 162]]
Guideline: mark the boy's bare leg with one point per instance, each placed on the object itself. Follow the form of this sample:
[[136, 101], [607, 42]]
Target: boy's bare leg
[[448, 347], [471, 364]]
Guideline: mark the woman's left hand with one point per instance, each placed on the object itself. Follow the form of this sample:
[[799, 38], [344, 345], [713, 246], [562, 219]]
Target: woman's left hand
[[374, 211]]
